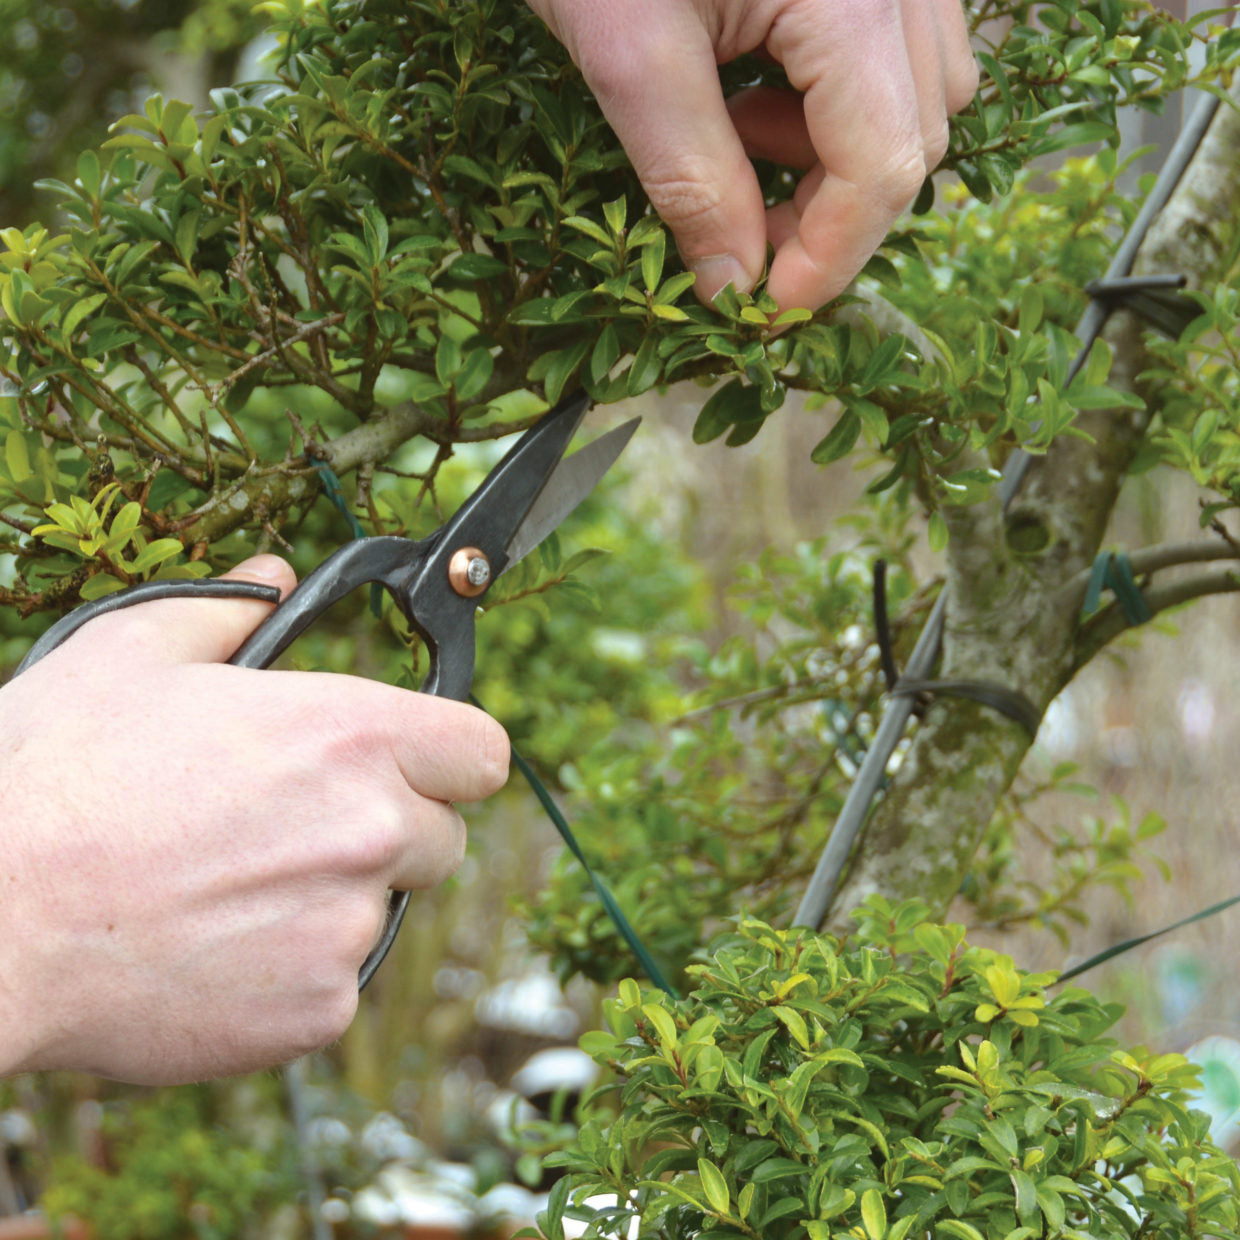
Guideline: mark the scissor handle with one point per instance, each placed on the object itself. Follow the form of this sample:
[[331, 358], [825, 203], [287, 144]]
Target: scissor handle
[[143, 592], [394, 563]]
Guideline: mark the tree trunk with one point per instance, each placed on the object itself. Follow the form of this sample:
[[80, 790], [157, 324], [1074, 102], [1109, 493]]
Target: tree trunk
[[1016, 582]]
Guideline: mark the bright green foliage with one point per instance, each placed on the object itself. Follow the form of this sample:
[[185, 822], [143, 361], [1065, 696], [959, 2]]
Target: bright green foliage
[[423, 221], [899, 1084], [1199, 429], [177, 1172]]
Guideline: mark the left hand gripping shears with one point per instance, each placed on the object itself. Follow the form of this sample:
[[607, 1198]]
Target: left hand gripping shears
[[437, 582]]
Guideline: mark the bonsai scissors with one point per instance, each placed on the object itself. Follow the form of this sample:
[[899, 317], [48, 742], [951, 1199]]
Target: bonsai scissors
[[437, 582]]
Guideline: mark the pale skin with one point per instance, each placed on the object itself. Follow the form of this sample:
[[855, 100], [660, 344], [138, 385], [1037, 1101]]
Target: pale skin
[[196, 857], [875, 81]]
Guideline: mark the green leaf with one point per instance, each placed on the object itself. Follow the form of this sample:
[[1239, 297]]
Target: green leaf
[[614, 213], [81, 308], [605, 354], [715, 1186], [475, 373], [375, 233], [646, 368], [874, 1214], [958, 1227], [563, 367], [794, 1022], [448, 360], [1026, 1197], [476, 267], [664, 1025], [733, 403], [584, 225], [99, 585], [652, 261], [839, 443], [16, 458], [156, 553]]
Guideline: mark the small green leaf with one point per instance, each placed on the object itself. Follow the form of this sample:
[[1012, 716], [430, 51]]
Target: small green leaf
[[79, 310], [663, 1023], [99, 585], [16, 457], [874, 1214], [794, 1022], [615, 213], [652, 261], [646, 369], [476, 267], [474, 374], [839, 442], [727, 406], [605, 354], [715, 1186]]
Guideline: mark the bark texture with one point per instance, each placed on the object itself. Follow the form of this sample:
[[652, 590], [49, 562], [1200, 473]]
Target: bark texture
[[1014, 615]]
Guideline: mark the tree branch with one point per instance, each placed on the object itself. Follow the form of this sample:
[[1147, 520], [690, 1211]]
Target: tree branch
[[1111, 622]]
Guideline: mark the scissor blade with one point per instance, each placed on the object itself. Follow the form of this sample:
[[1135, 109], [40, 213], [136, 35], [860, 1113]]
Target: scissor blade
[[570, 482]]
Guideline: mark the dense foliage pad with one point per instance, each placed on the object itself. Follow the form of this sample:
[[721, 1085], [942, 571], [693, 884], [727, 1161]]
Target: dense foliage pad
[[901, 1083]]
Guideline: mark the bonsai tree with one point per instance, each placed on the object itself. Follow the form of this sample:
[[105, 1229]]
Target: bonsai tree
[[416, 235]]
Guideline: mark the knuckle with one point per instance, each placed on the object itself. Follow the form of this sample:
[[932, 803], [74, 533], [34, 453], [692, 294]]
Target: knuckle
[[375, 844], [900, 179], [455, 844], [358, 930], [687, 200]]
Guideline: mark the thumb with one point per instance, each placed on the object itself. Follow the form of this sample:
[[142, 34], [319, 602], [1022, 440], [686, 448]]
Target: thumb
[[193, 630], [651, 65]]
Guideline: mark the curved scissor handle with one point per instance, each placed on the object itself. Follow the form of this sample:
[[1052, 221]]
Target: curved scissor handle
[[396, 564], [143, 592]]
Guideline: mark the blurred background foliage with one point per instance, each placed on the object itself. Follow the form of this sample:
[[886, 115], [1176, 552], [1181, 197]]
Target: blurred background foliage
[[700, 693]]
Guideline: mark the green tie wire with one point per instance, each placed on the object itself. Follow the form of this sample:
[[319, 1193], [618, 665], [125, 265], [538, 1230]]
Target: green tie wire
[[335, 493], [1118, 949], [1113, 571], [613, 910]]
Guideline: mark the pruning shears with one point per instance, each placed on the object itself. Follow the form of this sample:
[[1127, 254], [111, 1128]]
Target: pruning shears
[[437, 582]]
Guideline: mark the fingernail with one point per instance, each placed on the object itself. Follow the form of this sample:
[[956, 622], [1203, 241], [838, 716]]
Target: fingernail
[[715, 272]]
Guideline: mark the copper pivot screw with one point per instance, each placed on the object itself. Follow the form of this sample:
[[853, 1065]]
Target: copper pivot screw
[[469, 572]]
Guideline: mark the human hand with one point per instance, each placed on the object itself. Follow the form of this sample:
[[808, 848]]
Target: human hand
[[196, 857], [877, 80]]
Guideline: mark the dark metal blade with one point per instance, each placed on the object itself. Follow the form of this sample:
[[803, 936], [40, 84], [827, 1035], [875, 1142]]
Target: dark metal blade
[[572, 480]]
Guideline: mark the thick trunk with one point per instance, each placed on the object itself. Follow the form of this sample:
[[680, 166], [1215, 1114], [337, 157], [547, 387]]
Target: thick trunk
[[1015, 584]]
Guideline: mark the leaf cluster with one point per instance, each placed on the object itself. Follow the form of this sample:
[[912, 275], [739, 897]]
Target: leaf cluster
[[422, 222], [899, 1083]]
